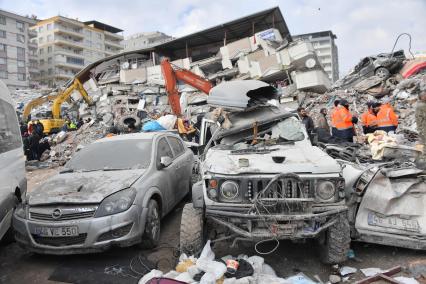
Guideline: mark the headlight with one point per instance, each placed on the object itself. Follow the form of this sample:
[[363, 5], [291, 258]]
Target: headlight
[[229, 189], [20, 211], [116, 203], [326, 190]]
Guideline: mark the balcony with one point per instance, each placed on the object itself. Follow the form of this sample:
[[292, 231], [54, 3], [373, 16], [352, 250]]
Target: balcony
[[69, 42], [71, 32], [114, 36], [32, 45], [73, 66], [32, 33], [68, 52], [114, 44]]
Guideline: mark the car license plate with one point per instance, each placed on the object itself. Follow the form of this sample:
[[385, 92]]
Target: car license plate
[[393, 222], [57, 231]]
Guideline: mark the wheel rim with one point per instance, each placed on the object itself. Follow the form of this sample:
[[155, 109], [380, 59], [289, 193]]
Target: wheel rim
[[155, 225]]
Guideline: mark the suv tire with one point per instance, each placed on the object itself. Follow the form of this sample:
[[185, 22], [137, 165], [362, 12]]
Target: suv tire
[[335, 242], [382, 73], [191, 230], [151, 235]]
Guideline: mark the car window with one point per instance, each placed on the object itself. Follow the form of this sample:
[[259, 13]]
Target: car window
[[163, 150], [177, 146], [10, 134], [113, 155]]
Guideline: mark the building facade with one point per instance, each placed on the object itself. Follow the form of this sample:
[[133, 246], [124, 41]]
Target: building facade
[[66, 45], [144, 40], [18, 55], [326, 49]]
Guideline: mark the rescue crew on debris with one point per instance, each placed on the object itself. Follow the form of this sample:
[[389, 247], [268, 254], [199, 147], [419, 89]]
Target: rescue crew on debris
[[387, 120], [369, 119], [333, 116], [344, 122]]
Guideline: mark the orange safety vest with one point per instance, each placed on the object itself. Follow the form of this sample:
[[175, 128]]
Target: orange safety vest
[[333, 116], [343, 119], [386, 116], [368, 119]]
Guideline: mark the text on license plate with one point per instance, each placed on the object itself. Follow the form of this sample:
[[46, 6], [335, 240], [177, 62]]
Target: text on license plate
[[57, 231], [393, 222]]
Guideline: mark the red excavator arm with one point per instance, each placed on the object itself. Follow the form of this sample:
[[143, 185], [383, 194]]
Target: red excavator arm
[[172, 75]]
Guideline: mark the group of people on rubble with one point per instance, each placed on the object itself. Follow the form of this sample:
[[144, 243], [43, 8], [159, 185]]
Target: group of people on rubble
[[32, 135], [378, 116]]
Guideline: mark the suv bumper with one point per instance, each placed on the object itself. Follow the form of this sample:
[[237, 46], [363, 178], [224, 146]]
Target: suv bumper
[[280, 226]]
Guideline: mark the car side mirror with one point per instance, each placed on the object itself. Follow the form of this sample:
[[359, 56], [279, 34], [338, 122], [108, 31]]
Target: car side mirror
[[165, 161]]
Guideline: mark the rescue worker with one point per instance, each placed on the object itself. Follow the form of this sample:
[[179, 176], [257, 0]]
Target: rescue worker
[[387, 120], [344, 122], [322, 120], [72, 126], [421, 125], [334, 117], [39, 128], [369, 119]]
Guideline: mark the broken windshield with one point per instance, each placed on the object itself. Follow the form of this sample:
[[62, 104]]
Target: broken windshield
[[114, 155], [285, 131]]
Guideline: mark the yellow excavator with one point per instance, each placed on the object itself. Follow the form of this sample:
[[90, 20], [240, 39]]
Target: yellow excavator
[[55, 122]]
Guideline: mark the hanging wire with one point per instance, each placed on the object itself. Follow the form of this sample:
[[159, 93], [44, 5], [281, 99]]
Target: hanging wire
[[409, 44]]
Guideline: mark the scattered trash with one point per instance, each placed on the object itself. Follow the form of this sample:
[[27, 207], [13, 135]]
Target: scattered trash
[[345, 270]]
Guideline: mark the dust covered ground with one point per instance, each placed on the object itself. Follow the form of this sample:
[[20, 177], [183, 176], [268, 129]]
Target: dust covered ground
[[127, 265]]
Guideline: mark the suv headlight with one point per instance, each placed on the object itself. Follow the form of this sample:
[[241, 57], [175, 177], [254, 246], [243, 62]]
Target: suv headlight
[[20, 211], [326, 189], [229, 189], [116, 203]]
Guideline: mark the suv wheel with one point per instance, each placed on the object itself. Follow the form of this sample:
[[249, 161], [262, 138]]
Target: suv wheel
[[191, 230], [334, 244], [382, 72], [151, 235]]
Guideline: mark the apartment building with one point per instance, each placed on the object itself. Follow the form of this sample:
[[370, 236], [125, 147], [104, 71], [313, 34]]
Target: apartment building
[[326, 49], [66, 45], [18, 55], [145, 40]]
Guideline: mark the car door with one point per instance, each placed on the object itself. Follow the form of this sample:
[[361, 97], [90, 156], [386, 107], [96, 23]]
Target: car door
[[180, 163], [168, 177]]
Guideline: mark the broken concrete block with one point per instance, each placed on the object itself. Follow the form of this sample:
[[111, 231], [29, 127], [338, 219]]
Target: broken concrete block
[[130, 75], [315, 81]]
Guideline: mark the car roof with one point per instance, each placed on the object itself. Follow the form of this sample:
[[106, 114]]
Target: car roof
[[135, 136]]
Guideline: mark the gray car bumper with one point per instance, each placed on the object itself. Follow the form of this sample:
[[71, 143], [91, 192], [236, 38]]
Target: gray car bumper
[[95, 234]]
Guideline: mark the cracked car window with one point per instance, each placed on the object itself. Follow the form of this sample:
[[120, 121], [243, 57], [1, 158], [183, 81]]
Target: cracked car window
[[289, 129], [129, 154]]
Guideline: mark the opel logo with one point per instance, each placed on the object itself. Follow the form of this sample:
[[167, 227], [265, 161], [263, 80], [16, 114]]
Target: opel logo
[[56, 214]]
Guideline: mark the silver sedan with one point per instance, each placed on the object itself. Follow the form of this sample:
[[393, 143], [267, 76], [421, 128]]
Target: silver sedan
[[112, 192]]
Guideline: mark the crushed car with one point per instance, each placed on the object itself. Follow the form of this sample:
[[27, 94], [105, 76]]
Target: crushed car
[[262, 179], [112, 192]]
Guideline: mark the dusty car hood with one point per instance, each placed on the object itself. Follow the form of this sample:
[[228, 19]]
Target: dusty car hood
[[300, 158], [89, 187]]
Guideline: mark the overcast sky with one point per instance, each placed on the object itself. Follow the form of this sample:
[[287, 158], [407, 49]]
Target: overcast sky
[[362, 27]]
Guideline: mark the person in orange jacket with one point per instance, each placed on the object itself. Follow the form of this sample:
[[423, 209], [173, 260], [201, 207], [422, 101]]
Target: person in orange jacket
[[387, 120], [369, 119], [333, 116], [344, 122]]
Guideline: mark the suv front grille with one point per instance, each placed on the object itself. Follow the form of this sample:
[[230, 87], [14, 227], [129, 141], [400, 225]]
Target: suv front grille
[[62, 213], [60, 241], [283, 188]]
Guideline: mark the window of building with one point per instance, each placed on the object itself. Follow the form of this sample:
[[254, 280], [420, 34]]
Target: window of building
[[20, 51], [40, 29], [73, 60], [49, 27], [2, 34], [20, 38], [21, 63], [20, 26], [99, 46], [49, 60], [49, 71], [2, 61], [41, 51], [41, 62], [49, 38], [98, 36], [3, 74], [21, 76], [2, 20], [40, 40], [49, 49], [88, 33], [3, 47], [89, 43]]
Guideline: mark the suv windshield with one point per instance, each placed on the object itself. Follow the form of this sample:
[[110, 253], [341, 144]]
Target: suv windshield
[[114, 155], [279, 132]]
